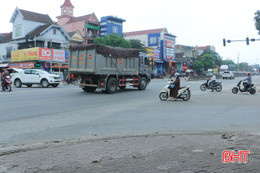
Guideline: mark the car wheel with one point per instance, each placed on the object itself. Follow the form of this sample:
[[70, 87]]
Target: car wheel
[[45, 83], [17, 83]]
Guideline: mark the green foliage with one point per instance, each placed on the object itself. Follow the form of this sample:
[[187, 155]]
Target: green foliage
[[244, 66], [257, 21], [228, 61], [137, 45], [208, 59], [197, 67], [113, 40]]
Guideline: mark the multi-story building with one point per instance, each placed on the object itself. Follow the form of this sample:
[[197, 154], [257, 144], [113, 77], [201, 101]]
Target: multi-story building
[[29, 42], [111, 24], [163, 45], [87, 25]]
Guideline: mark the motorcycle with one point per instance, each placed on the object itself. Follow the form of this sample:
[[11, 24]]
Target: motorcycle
[[217, 86], [251, 89], [7, 83], [68, 81], [183, 93]]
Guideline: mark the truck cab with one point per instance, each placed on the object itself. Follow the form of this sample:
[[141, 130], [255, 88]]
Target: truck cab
[[145, 64]]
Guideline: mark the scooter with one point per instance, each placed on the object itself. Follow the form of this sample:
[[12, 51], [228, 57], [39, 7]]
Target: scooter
[[251, 89], [217, 86], [7, 83], [183, 93]]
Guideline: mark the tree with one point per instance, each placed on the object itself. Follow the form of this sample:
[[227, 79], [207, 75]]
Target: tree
[[228, 61], [210, 59], [137, 44], [113, 40], [257, 21]]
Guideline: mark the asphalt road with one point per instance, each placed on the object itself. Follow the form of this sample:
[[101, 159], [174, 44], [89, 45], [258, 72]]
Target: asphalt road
[[31, 115]]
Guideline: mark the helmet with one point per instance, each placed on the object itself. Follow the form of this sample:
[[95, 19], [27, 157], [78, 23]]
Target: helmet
[[176, 74]]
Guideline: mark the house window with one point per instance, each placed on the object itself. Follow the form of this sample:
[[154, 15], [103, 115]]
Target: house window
[[54, 31], [18, 31], [70, 11]]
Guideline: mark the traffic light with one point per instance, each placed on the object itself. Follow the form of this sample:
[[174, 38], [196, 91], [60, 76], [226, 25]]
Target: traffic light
[[224, 42], [247, 41]]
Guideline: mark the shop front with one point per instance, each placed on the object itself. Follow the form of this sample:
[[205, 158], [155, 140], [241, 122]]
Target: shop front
[[51, 60]]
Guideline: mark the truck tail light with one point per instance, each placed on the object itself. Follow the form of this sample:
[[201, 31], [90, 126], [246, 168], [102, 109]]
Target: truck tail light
[[102, 84]]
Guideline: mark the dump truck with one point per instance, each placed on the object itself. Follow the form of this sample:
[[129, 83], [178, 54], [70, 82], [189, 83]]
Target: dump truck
[[109, 68]]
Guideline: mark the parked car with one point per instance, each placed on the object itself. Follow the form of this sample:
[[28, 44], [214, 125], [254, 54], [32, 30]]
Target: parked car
[[30, 77], [228, 75]]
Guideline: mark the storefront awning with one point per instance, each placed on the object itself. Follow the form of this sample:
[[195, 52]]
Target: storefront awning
[[4, 65]]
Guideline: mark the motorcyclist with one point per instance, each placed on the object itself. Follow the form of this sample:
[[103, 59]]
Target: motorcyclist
[[249, 81], [212, 83], [175, 89], [3, 75], [70, 78]]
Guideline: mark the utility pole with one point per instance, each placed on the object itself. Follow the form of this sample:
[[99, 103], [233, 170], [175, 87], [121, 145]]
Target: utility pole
[[51, 55]]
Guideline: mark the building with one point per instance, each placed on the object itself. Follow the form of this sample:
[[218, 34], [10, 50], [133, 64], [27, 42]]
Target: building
[[87, 25], [110, 24], [32, 36], [163, 45]]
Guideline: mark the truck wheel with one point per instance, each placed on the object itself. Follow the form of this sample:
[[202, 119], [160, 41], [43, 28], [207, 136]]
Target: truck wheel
[[89, 89], [17, 83], [112, 85], [142, 84], [45, 83]]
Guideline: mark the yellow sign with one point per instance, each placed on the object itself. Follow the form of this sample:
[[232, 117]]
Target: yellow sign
[[25, 55]]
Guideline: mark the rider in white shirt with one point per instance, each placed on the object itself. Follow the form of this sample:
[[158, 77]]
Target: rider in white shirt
[[213, 78]]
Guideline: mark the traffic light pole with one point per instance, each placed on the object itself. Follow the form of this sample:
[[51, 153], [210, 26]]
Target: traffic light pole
[[247, 41]]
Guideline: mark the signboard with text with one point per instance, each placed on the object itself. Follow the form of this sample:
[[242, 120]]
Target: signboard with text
[[25, 54], [42, 54], [22, 65]]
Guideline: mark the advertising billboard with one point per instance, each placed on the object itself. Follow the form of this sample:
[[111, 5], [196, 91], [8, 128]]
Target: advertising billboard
[[25, 54], [46, 54]]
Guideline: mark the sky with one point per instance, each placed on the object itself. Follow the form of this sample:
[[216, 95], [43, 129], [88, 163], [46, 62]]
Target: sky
[[193, 22]]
